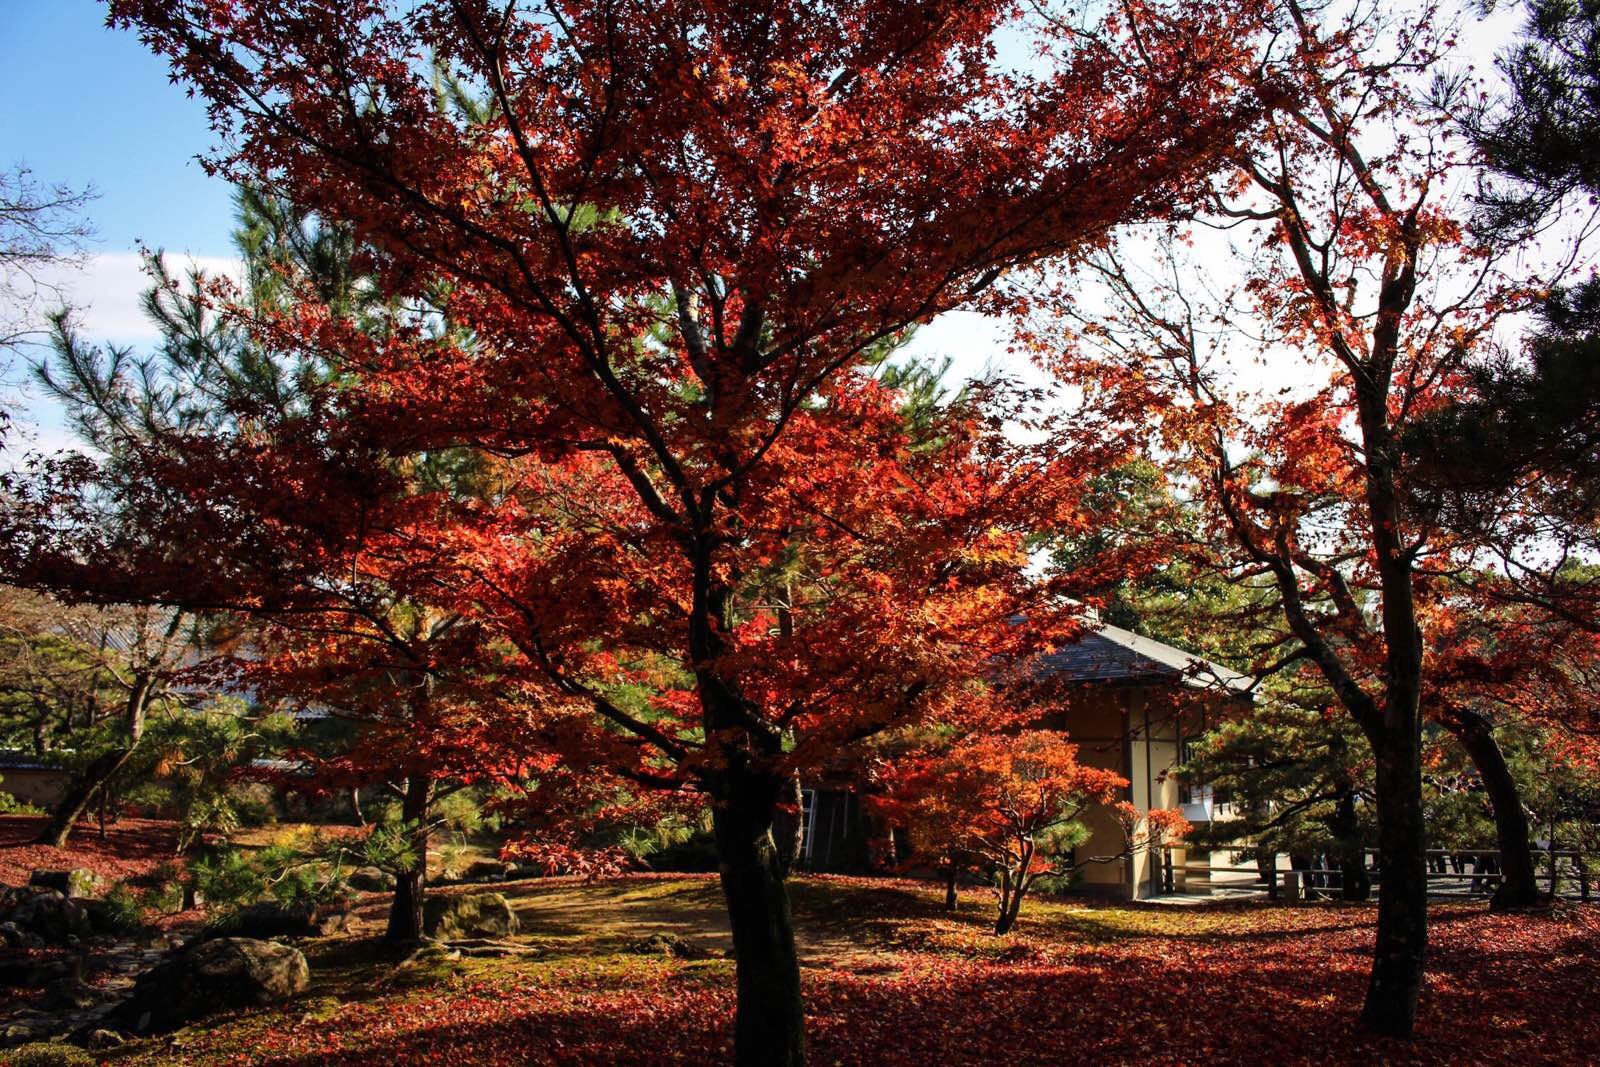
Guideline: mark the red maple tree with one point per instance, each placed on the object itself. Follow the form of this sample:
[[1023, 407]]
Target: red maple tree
[[1358, 274], [667, 239], [1010, 805]]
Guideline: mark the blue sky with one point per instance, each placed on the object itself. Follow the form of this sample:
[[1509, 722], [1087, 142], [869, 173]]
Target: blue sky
[[87, 105]]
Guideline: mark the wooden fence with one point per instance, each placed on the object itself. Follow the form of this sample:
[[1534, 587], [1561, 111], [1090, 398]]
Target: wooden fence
[[1451, 873]]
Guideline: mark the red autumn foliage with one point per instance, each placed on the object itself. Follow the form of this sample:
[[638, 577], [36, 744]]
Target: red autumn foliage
[[1360, 293], [1009, 804], [556, 860], [667, 239], [132, 848], [1221, 984]]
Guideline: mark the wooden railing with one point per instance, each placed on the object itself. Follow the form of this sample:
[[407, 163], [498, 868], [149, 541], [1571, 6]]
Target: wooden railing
[[1451, 873]]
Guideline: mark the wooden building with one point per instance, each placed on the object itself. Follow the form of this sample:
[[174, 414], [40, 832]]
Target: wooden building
[[1132, 705]]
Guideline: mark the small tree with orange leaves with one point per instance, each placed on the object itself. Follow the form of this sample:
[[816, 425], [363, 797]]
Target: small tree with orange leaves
[[1011, 805]]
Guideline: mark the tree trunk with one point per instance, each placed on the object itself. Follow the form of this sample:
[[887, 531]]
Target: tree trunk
[[1012, 892], [789, 826], [1400, 951], [405, 910], [769, 1017], [1354, 881], [950, 888], [87, 789], [1002, 922], [1267, 868], [1518, 886], [769, 1025], [1010, 908]]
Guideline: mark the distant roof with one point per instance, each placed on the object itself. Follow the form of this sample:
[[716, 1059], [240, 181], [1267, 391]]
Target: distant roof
[[23, 761], [1111, 654]]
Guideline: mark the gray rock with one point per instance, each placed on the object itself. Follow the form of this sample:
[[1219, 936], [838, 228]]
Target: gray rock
[[47, 914], [468, 915], [77, 882], [72, 994], [228, 972], [33, 973], [104, 1039], [371, 880], [12, 936], [269, 919], [486, 871]]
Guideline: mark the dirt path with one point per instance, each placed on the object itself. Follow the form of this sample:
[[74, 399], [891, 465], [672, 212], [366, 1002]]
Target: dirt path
[[620, 913]]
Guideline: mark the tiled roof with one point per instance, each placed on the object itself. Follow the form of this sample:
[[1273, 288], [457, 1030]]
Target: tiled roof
[[1111, 654], [24, 761]]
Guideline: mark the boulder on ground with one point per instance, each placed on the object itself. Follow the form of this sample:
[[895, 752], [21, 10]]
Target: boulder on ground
[[47, 914], [100, 1040], [104, 918], [468, 915], [13, 936], [269, 919], [72, 993], [212, 976], [371, 880], [34, 972], [77, 882], [487, 871], [670, 945]]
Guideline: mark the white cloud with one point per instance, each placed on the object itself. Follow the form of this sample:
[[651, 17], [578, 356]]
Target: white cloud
[[106, 292]]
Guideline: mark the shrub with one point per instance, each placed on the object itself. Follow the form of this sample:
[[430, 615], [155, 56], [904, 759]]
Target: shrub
[[10, 805], [163, 892], [232, 878], [49, 1054], [124, 907], [228, 878]]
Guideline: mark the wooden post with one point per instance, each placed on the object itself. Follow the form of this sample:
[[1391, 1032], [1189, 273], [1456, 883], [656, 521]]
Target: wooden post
[[1291, 887]]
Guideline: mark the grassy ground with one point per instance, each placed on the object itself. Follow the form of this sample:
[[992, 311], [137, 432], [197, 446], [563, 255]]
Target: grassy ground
[[890, 978]]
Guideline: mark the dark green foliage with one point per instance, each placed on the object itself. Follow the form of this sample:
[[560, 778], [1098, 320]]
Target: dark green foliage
[[694, 853], [1528, 417], [190, 762], [57, 686], [207, 372], [1534, 419], [233, 878], [124, 908], [923, 385], [163, 889], [1546, 135], [1299, 780]]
